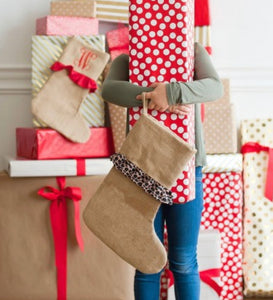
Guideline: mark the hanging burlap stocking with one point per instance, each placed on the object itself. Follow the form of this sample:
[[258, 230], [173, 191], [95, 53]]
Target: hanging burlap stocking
[[122, 211], [58, 102]]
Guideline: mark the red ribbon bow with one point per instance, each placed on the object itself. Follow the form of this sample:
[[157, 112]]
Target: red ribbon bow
[[253, 147], [78, 78], [58, 218], [207, 277]]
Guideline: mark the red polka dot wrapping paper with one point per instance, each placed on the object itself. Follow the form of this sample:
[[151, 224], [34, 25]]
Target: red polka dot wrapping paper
[[223, 199], [161, 49]]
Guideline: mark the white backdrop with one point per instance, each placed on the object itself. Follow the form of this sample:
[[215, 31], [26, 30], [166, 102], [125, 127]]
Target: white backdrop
[[242, 51]]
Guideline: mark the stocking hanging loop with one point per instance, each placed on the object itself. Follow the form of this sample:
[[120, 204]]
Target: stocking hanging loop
[[145, 103]]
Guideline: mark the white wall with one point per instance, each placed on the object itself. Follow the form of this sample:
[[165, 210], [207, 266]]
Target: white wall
[[242, 51]]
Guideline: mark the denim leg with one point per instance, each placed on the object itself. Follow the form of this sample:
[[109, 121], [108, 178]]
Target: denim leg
[[183, 223], [147, 286]]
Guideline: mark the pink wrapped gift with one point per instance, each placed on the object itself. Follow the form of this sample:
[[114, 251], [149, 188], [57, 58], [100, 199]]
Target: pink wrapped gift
[[64, 25], [161, 48], [118, 41]]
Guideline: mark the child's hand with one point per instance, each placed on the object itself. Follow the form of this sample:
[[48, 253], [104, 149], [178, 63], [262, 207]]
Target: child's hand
[[180, 109], [158, 97]]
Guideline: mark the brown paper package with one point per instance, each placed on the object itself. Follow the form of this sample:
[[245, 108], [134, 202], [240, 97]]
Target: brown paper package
[[27, 266]]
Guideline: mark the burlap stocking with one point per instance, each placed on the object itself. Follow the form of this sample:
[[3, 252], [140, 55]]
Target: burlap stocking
[[58, 102], [121, 213]]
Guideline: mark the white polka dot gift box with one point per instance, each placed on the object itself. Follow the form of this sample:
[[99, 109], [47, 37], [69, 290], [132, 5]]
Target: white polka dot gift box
[[161, 48], [48, 49], [257, 144], [73, 8], [223, 200]]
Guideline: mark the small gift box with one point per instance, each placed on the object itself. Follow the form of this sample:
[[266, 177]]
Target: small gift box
[[73, 8], [51, 48], [118, 41], [40, 143], [257, 145], [17, 167], [113, 10], [63, 25], [223, 200], [27, 248]]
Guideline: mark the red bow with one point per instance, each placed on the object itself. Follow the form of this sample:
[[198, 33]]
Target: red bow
[[58, 217], [78, 78], [207, 275], [253, 147]]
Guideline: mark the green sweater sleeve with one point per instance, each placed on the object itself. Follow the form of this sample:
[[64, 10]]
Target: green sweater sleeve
[[117, 89], [206, 86]]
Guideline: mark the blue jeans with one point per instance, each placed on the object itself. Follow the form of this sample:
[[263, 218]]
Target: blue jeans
[[183, 223]]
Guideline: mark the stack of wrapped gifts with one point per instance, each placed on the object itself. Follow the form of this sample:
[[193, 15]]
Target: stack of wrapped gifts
[[47, 252]]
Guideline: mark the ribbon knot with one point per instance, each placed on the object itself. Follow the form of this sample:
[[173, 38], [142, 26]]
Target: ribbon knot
[[58, 218]]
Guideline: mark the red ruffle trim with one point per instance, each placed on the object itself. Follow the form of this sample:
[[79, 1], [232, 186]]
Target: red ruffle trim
[[78, 78]]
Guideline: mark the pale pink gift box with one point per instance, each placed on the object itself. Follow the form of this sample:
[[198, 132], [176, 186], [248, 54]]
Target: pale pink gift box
[[65, 25]]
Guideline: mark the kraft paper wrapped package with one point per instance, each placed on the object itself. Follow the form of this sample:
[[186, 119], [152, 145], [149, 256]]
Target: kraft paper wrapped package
[[209, 262], [51, 48], [220, 129], [159, 54], [118, 120], [63, 25], [27, 251], [223, 200], [73, 8], [41, 143], [257, 143]]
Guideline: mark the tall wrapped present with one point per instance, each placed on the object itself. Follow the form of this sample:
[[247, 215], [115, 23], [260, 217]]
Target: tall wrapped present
[[223, 199], [50, 48], [257, 144], [220, 130], [44, 143], [209, 262], [64, 25], [27, 248], [161, 48], [118, 41], [73, 8]]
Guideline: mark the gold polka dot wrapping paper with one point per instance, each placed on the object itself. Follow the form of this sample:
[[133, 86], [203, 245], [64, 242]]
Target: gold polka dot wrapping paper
[[258, 212], [45, 51], [73, 8]]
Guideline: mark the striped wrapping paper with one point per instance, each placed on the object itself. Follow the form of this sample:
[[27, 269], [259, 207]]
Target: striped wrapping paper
[[202, 35], [224, 163], [45, 51], [112, 10]]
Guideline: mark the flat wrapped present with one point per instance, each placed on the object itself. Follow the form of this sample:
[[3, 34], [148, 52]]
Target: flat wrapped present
[[19, 167], [223, 201], [257, 143], [65, 25], [113, 10], [118, 41], [46, 143], [51, 48], [73, 8], [158, 54], [28, 268]]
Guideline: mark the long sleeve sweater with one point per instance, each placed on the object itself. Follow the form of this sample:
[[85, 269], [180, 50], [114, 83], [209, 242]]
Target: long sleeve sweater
[[205, 87]]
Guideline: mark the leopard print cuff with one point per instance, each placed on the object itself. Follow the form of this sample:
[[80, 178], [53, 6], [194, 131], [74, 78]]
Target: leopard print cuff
[[147, 183]]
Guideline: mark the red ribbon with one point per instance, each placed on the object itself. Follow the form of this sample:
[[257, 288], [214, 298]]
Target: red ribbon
[[78, 78], [253, 147], [207, 277], [81, 167], [58, 218], [201, 13]]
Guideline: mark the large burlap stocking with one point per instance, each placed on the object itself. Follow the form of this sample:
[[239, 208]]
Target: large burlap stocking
[[122, 211], [58, 102]]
